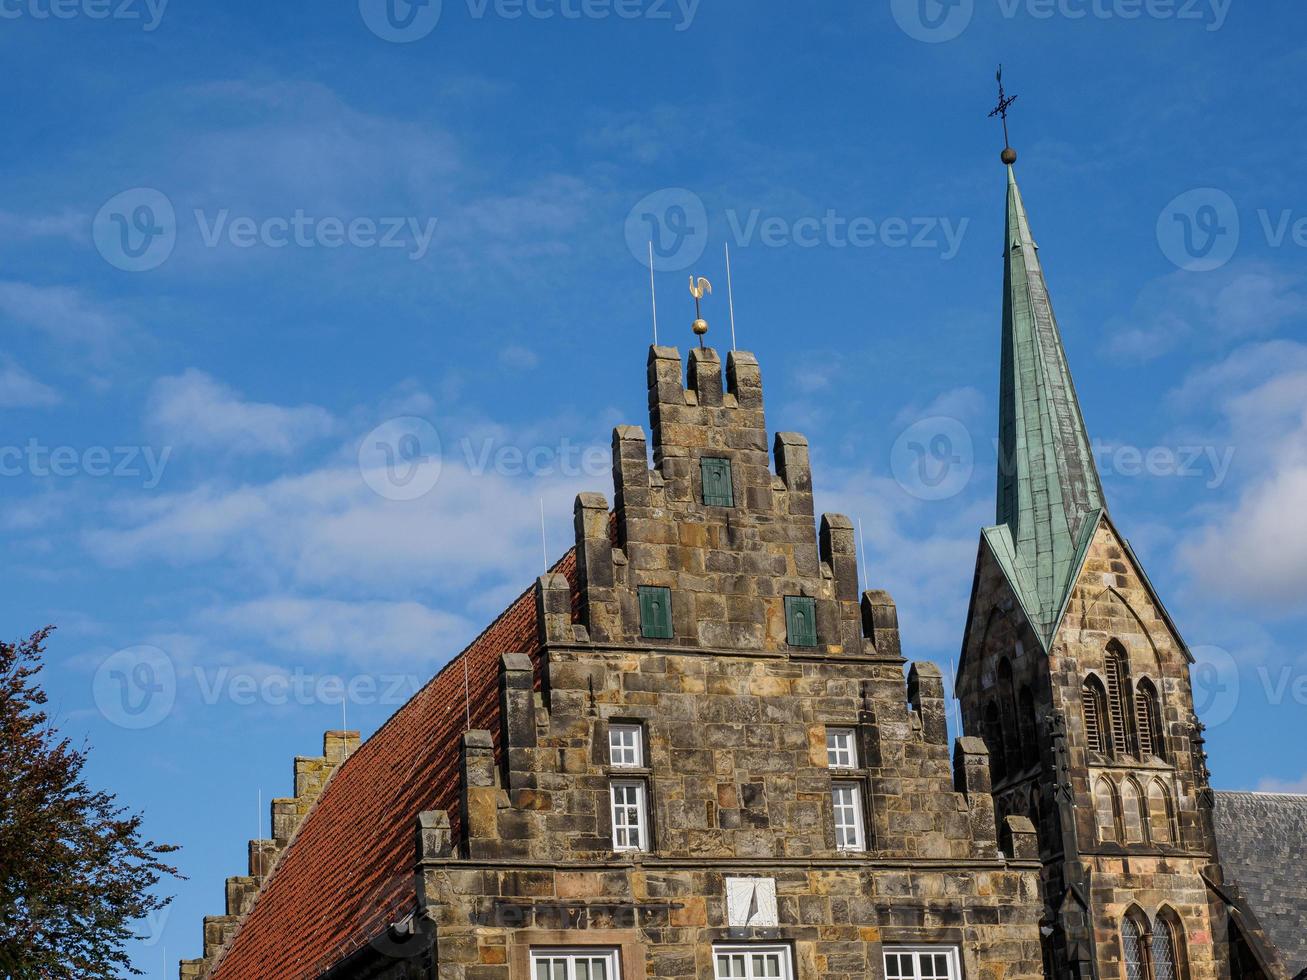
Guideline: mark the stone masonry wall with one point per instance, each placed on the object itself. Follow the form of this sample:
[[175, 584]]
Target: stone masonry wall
[[734, 721], [1110, 603]]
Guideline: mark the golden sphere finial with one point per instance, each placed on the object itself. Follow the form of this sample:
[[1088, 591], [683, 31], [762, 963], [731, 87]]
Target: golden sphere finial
[[697, 289], [1008, 156]]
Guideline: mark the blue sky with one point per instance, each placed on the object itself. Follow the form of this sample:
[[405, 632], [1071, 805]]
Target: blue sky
[[243, 242]]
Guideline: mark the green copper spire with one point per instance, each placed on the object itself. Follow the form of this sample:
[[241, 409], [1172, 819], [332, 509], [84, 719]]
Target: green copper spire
[[1049, 495]]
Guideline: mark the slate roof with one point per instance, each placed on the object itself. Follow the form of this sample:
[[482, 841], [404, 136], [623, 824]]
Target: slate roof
[[1049, 496], [1262, 839], [348, 872]]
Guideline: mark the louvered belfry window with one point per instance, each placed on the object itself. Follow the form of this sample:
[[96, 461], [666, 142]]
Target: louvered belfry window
[[1093, 703], [1144, 724], [1116, 706]]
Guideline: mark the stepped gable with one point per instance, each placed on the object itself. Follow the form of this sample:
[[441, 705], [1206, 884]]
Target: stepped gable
[[347, 874]]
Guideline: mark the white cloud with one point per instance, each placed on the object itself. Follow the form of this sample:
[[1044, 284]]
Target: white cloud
[[193, 408], [67, 224], [364, 632], [518, 358], [1272, 785], [1257, 551], [18, 389], [327, 528], [1183, 309], [62, 314]]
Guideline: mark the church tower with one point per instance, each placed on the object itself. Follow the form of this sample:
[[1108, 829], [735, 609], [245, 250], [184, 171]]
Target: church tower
[[1078, 681]]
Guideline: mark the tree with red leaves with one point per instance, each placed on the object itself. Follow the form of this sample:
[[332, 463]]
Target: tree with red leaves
[[74, 871]]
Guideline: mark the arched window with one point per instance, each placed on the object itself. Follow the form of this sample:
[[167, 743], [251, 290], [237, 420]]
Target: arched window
[[1008, 699], [1159, 814], [1148, 720], [1168, 935], [1094, 702], [1029, 728], [1105, 810], [1132, 948], [1118, 696], [994, 742], [1132, 821]]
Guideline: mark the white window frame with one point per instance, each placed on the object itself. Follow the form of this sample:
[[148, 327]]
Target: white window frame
[[571, 955], [747, 953], [952, 961], [840, 807], [626, 746], [623, 826], [842, 748]]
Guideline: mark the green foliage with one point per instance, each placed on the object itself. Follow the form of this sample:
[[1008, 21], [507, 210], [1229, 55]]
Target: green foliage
[[74, 871]]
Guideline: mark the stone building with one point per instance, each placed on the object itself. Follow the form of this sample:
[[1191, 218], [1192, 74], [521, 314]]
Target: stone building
[[694, 748]]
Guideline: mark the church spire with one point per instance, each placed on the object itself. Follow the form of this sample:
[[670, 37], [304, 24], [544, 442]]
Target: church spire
[[1049, 494]]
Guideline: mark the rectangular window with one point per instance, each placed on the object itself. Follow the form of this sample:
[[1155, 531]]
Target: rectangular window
[[630, 816], [717, 489], [752, 963], [841, 748], [846, 798], [575, 964], [626, 746], [800, 621], [655, 612], [922, 963]]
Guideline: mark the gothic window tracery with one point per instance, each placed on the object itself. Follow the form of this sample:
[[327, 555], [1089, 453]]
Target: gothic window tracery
[[1132, 820], [1105, 810], [1160, 819]]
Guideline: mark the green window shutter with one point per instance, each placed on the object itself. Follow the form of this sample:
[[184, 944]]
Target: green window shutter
[[655, 612], [717, 491], [800, 621]]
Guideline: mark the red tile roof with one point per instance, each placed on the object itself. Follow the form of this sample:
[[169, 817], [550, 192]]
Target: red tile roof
[[348, 871]]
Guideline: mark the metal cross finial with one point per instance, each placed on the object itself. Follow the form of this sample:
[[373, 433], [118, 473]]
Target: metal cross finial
[[1004, 103]]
